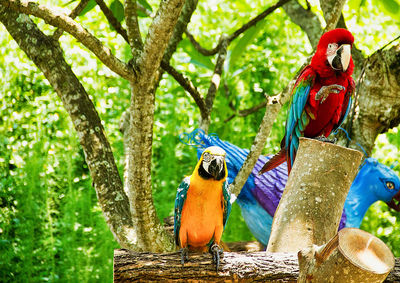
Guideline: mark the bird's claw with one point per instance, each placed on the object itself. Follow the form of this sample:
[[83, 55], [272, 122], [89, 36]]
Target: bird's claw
[[216, 251], [325, 139], [325, 91], [184, 255]]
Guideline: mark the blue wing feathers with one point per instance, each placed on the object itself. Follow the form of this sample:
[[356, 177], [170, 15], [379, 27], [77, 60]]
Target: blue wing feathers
[[297, 117]]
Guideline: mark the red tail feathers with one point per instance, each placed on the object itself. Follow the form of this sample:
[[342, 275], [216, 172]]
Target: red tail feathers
[[274, 162]]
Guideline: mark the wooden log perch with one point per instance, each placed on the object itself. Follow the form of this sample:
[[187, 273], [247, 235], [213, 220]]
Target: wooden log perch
[[311, 206], [352, 255], [235, 267]]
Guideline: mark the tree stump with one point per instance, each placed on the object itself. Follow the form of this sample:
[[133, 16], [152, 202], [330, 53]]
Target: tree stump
[[352, 255], [311, 206]]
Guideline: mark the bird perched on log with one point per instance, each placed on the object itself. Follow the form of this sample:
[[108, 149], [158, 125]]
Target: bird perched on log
[[321, 97], [260, 195], [202, 206]]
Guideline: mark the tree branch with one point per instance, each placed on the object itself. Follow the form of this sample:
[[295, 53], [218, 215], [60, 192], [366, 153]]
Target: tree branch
[[112, 19], [272, 109], [248, 111], [74, 13], [235, 267], [98, 154], [81, 34], [235, 34], [188, 86], [131, 19], [332, 11], [251, 110], [181, 26], [202, 50], [214, 85], [305, 19], [255, 20]]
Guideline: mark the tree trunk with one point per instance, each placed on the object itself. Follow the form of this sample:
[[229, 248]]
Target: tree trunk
[[377, 105], [150, 235], [243, 267], [48, 56], [312, 202], [352, 255]]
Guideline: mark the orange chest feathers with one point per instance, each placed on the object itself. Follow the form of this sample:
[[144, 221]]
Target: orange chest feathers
[[202, 213]]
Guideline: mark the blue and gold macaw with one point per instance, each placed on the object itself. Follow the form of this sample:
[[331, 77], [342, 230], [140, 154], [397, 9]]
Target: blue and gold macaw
[[202, 206]]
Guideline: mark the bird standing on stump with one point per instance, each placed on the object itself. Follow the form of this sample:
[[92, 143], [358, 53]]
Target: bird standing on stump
[[321, 97], [202, 206]]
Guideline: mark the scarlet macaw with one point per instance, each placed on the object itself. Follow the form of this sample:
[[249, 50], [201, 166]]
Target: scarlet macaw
[[202, 206], [321, 97]]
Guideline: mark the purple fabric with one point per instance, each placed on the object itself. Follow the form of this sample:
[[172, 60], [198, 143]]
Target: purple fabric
[[270, 185]]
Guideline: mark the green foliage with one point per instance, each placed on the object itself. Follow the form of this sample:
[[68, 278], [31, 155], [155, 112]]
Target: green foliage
[[51, 227], [90, 5], [118, 10]]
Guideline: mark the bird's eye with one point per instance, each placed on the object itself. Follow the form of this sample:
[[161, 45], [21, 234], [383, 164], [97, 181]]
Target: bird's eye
[[332, 46], [207, 157], [390, 185]]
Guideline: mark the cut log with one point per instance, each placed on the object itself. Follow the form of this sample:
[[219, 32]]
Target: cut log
[[243, 267], [311, 206], [352, 255]]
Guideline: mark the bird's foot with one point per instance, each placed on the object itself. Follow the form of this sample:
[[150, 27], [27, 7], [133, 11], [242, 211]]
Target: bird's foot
[[325, 91], [325, 139], [216, 251], [184, 255]]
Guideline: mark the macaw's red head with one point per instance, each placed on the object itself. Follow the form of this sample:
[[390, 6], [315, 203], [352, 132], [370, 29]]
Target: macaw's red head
[[333, 55]]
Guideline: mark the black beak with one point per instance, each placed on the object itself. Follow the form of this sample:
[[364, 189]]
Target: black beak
[[395, 202], [216, 167]]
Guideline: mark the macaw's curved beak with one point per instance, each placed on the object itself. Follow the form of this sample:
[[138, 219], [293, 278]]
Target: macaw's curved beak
[[216, 166], [394, 203], [341, 59]]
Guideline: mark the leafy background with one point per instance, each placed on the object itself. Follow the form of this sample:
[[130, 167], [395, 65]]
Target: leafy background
[[51, 227]]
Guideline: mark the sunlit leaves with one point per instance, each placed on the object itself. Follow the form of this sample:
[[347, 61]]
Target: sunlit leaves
[[195, 56], [146, 5], [118, 10], [392, 7], [90, 5], [240, 47]]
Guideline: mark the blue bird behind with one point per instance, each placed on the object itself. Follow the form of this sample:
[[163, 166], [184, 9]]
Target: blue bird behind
[[260, 195]]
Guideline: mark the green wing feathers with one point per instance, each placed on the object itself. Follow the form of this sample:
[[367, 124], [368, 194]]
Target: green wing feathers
[[180, 198]]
